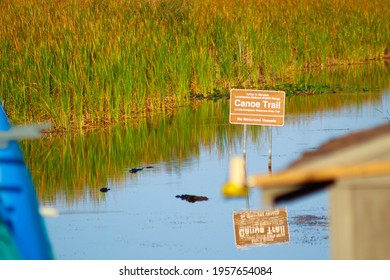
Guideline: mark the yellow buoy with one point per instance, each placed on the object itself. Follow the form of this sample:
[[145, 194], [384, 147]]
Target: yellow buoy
[[236, 185]]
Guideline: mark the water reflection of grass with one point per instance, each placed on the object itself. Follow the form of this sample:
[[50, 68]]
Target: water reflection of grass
[[77, 166], [88, 63]]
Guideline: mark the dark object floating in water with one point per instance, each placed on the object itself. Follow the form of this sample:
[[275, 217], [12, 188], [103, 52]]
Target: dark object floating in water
[[192, 198], [135, 170], [104, 189]]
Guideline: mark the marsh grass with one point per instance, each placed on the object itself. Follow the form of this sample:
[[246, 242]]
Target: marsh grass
[[87, 63]]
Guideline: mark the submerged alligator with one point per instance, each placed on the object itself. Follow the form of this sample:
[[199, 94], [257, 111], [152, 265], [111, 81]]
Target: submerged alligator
[[135, 170], [192, 198]]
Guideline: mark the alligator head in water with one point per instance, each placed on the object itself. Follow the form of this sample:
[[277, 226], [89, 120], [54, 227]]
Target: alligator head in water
[[135, 170], [192, 198]]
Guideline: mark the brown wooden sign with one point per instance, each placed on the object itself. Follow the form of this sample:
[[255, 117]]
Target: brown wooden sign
[[257, 107], [261, 227]]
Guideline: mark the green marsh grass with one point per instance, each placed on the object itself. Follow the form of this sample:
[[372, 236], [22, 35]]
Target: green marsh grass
[[90, 63]]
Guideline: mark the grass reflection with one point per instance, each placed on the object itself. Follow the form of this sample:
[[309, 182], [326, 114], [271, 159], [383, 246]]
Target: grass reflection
[[77, 166]]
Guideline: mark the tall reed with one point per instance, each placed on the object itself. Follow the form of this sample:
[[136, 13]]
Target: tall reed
[[85, 63]]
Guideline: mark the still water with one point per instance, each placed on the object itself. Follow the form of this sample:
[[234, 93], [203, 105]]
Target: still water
[[141, 217]]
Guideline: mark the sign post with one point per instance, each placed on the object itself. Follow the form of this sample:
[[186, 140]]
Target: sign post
[[258, 107], [244, 155], [270, 149]]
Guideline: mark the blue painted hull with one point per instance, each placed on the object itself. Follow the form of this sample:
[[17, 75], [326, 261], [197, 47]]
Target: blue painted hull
[[19, 209]]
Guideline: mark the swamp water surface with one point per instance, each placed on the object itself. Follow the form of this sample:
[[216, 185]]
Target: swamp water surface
[[141, 217]]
